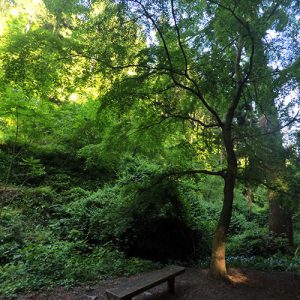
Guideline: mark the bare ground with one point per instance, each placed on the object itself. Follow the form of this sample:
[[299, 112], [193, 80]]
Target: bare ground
[[194, 284]]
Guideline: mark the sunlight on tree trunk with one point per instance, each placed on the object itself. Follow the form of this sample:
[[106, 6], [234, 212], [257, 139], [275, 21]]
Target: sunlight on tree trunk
[[218, 263]]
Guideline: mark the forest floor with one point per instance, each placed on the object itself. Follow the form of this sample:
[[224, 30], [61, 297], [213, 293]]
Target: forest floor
[[194, 284]]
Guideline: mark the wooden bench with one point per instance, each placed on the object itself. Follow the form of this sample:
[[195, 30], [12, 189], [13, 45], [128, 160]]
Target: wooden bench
[[145, 282]]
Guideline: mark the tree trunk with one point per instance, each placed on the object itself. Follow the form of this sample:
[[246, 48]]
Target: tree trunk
[[218, 262], [280, 221]]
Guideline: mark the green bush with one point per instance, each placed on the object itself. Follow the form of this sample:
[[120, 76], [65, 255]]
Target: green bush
[[59, 181], [95, 218], [201, 211], [11, 234], [73, 194], [42, 266], [104, 262], [142, 201], [39, 204], [5, 159], [257, 241], [35, 266], [107, 214]]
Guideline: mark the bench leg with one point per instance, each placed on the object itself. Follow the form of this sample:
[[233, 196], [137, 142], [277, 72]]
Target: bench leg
[[171, 285]]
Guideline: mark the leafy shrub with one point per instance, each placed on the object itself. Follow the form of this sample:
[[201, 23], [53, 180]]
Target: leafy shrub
[[22, 168], [74, 194], [39, 266], [239, 224], [142, 214], [104, 262], [157, 227], [92, 156], [11, 234], [257, 241], [107, 214], [8, 194], [201, 212], [59, 182], [31, 170], [35, 266], [39, 204], [4, 164], [95, 218]]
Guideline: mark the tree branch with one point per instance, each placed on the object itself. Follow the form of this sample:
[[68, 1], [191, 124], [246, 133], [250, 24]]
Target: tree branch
[[241, 83], [158, 30], [177, 83], [272, 11], [194, 172], [145, 127], [179, 38], [187, 117]]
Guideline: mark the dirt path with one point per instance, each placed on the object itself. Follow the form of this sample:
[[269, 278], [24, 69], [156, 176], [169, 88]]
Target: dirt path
[[195, 284]]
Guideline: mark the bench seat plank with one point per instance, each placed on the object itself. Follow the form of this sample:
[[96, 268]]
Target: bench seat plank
[[147, 281]]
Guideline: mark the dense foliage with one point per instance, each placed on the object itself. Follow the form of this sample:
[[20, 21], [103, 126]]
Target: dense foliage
[[114, 123]]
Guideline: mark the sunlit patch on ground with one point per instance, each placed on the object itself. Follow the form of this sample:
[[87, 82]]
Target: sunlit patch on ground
[[237, 277]]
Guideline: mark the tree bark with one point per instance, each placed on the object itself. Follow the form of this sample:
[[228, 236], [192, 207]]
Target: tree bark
[[218, 262], [280, 220]]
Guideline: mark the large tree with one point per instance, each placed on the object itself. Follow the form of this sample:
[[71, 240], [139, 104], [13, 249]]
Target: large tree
[[204, 62]]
